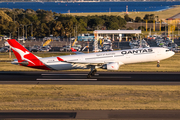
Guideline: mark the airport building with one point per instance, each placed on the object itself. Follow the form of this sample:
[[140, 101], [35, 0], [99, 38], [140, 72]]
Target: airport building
[[121, 33]]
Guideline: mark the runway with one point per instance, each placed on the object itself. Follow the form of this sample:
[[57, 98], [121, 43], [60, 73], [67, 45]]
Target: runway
[[95, 114], [100, 78]]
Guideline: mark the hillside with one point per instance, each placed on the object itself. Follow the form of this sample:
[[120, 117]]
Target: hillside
[[162, 14]]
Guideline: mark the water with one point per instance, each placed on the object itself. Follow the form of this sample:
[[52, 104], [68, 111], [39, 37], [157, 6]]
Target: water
[[83, 7]]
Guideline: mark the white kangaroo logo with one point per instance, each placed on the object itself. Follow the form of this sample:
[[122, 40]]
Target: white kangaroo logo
[[22, 54]]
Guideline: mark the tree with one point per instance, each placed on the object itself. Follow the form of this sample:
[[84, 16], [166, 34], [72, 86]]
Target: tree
[[82, 24], [48, 22], [12, 28], [138, 19], [149, 17], [36, 28], [141, 28], [4, 18], [44, 30], [127, 18], [112, 26], [58, 28], [121, 22], [95, 22]]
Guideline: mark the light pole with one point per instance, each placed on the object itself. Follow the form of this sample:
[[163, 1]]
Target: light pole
[[23, 32], [70, 40], [18, 33], [31, 29], [165, 29], [26, 31], [10, 34]]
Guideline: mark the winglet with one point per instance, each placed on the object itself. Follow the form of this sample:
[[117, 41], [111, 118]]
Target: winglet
[[60, 59], [73, 50]]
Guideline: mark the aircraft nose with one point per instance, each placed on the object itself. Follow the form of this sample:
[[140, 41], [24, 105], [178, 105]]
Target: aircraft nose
[[172, 53]]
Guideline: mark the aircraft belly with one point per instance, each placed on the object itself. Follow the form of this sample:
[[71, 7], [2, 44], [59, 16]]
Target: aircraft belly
[[138, 58], [66, 66], [60, 66]]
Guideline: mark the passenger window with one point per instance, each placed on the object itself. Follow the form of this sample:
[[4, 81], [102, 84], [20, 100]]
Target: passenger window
[[167, 50]]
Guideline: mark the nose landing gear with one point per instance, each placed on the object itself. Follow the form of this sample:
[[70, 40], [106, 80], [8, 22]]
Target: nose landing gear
[[158, 63]]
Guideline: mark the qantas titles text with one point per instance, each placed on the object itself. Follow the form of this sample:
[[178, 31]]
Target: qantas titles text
[[138, 51]]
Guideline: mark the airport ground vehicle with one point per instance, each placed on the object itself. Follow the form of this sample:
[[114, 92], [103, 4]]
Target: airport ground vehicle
[[65, 48], [34, 48], [6, 38], [110, 60], [30, 38], [45, 48]]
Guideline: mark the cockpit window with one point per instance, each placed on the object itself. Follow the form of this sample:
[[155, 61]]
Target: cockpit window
[[167, 50]]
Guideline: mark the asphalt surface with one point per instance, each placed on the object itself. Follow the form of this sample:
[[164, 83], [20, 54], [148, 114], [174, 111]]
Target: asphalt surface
[[95, 114], [101, 78]]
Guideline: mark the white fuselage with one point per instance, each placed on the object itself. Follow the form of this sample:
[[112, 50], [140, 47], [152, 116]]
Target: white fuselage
[[80, 61]]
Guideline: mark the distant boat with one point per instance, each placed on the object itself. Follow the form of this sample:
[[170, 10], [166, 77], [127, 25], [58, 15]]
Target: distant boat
[[57, 1], [40, 1]]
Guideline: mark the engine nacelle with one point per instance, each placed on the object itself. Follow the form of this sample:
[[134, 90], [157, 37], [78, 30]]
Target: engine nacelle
[[111, 66]]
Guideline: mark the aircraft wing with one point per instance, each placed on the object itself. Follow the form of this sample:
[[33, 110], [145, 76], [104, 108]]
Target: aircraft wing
[[89, 63]]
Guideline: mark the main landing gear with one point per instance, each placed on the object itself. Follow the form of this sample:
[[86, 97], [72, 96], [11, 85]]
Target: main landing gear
[[158, 63], [92, 72]]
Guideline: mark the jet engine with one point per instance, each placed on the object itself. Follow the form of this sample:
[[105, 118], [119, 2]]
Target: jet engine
[[111, 66]]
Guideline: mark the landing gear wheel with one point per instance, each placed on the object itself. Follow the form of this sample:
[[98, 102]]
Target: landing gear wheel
[[158, 65], [93, 72], [89, 76]]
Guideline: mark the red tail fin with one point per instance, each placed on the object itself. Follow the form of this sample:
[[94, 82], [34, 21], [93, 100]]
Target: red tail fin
[[23, 55]]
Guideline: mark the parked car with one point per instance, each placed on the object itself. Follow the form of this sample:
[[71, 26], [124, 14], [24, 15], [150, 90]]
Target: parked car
[[65, 48], [6, 38], [34, 48], [72, 38], [30, 38], [21, 39], [4, 49], [44, 49]]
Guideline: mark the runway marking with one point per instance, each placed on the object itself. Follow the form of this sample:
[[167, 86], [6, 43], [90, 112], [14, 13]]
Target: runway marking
[[65, 74], [70, 79]]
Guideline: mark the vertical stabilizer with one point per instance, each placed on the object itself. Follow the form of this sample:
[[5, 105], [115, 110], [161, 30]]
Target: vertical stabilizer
[[24, 56]]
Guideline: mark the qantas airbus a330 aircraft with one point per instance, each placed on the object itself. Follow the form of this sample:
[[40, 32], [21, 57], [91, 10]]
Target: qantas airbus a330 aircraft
[[111, 60]]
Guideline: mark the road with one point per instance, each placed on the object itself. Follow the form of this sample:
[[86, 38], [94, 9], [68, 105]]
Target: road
[[101, 78]]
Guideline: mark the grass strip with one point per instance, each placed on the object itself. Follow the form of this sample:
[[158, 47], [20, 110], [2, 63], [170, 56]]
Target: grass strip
[[88, 97]]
